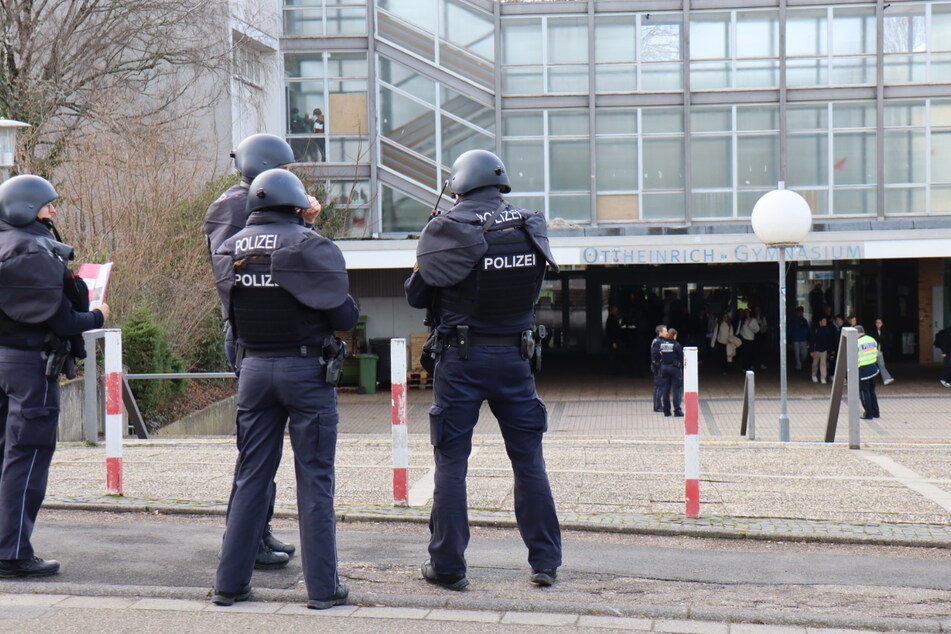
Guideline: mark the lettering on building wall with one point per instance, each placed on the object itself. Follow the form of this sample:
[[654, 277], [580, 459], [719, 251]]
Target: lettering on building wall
[[718, 253]]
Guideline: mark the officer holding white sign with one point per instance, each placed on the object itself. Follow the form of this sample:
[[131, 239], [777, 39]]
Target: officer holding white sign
[[480, 270]]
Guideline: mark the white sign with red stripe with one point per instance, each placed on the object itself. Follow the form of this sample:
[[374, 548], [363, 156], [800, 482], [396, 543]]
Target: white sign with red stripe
[[400, 436], [113, 369], [691, 433]]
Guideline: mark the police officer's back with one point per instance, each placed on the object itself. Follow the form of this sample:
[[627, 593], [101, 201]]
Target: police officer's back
[[43, 311], [225, 217], [285, 290], [480, 270]]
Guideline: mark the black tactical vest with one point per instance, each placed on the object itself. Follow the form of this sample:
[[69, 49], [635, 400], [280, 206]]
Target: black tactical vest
[[262, 311], [504, 282]]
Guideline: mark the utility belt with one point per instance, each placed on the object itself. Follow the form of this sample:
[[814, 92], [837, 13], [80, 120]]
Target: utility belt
[[331, 354], [676, 364], [528, 341]]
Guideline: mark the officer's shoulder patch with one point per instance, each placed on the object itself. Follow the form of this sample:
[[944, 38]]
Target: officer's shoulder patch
[[222, 197]]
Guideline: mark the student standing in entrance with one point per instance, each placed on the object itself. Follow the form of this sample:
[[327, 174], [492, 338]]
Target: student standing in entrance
[[883, 337], [799, 335], [823, 341]]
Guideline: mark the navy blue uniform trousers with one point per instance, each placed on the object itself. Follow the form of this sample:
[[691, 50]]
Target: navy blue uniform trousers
[[499, 375], [29, 414], [273, 392], [868, 398], [670, 379]]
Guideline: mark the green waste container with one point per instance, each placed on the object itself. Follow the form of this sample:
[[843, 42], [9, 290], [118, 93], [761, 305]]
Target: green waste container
[[367, 372]]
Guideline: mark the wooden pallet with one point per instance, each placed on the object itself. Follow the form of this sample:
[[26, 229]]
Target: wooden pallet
[[420, 379], [416, 341]]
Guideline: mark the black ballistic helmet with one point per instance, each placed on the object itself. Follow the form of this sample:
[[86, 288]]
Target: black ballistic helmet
[[277, 188], [261, 152], [22, 197], [478, 168]]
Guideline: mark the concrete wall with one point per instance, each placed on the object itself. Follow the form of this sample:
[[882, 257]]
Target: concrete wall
[[71, 411], [215, 420]]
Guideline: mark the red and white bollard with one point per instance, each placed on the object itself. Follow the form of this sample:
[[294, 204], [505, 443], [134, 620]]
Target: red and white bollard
[[113, 424], [691, 433], [400, 436]]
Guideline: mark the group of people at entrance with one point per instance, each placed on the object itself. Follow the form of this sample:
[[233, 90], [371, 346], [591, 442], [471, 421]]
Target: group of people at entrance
[[284, 293]]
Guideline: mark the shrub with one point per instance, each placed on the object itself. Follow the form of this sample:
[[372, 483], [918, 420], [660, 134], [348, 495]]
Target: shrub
[[145, 351]]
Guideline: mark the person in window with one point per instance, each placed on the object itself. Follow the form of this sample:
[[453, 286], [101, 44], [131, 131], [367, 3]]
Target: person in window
[[318, 129]]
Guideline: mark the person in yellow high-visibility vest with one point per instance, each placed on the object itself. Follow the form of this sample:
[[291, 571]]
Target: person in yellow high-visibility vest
[[868, 370]]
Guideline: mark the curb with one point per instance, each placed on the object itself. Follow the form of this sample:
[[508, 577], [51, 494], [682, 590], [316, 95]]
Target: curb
[[710, 527], [662, 612]]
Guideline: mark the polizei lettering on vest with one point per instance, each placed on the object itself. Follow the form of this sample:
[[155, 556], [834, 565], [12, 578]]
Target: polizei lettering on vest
[[266, 241], [506, 215], [253, 279], [508, 261]]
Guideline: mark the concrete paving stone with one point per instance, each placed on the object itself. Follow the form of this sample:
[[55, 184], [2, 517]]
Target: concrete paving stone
[[469, 616], [615, 622], [31, 600], [172, 605], [691, 627], [755, 628], [303, 610], [538, 618], [246, 607], [391, 613], [96, 603]]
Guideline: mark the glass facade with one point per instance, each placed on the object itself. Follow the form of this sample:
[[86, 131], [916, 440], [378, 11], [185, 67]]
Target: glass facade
[[590, 105]]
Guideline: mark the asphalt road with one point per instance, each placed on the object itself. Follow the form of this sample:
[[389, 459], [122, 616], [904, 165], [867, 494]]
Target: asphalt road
[[174, 556]]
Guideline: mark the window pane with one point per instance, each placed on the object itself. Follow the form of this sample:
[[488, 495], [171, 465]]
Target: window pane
[[614, 38], [711, 119], [711, 160], [525, 161], [853, 115], [941, 26], [568, 79], [853, 30], [853, 201], [941, 157], [901, 114], [408, 123], [660, 120], [402, 213], [757, 34], [403, 78], [346, 149], [940, 112], [567, 40], [346, 21], [662, 77], [807, 72], [522, 80], [905, 200], [711, 204], [617, 164], [467, 109], [807, 117], [346, 64], [522, 41], [710, 75], [940, 200], [458, 138], [570, 207], [616, 121], [535, 203], [806, 32], [853, 158], [746, 200], [905, 150], [417, 12], [904, 28], [469, 28], [615, 78], [303, 22], [567, 122], [811, 166], [666, 206], [757, 73], [569, 168], [853, 70], [709, 35], [757, 161], [524, 123], [759, 117], [309, 65], [663, 163], [661, 38]]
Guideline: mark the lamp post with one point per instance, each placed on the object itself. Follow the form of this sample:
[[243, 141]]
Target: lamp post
[[781, 219], [8, 145]]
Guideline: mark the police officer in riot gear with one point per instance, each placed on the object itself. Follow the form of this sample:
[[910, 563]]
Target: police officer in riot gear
[[480, 269], [224, 218], [43, 310], [285, 290]]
